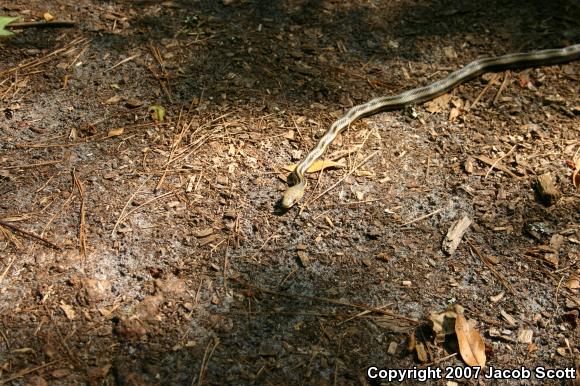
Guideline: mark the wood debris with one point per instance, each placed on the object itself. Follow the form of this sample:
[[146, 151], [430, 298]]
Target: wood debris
[[455, 234]]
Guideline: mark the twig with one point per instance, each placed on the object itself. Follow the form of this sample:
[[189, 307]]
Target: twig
[[499, 160], [226, 261], [9, 236], [123, 61], [438, 360], [174, 147], [41, 24], [206, 359], [326, 300], [127, 204], [24, 372], [487, 86], [29, 234], [489, 161], [363, 313], [288, 276], [342, 179], [148, 202], [82, 222], [486, 262], [7, 269], [46, 58], [273, 235], [502, 87], [161, 79], [355, 202], [29, 166], [199, 142], [424, 216]]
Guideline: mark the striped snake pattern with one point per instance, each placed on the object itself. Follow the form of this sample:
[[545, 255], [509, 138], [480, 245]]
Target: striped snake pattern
[[297, 179]]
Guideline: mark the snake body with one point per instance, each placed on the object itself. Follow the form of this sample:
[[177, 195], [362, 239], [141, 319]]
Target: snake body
[[418, 95]]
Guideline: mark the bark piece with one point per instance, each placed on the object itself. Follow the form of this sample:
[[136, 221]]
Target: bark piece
[[455, 234]]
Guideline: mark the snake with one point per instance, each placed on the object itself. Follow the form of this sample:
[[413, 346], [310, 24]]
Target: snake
[[297, 180]]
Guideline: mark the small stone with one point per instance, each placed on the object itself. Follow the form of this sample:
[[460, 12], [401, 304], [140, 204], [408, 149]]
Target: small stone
[[37, 381], [450, 52], [131, 328], [60, 373], [556, 241], [562, 351], [267, 349], [552, 258], [496, 298], [133, 103], [231, 214], [304, 259], [222, 180], [296, 155], [468, 165], [383, 256], [546, 189]]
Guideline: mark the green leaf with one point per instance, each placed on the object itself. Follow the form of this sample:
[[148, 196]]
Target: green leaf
[[4, 21], [157, 113]]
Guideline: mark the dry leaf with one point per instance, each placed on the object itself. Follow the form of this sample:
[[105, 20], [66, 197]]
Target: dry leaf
[[115, 132], [471, 345], [317, 166], [421, 352], [438, 104], [105, 312], [47, 16], [443, 323], [453, 114], [68, 311]]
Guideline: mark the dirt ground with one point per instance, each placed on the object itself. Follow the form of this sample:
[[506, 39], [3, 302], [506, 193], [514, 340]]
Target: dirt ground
[[140, 252]]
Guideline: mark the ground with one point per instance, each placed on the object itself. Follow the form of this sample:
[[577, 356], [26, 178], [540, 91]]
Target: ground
[[135, 251]]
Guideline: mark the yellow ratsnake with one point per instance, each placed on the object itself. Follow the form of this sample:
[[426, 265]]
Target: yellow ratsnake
[[297, 180]]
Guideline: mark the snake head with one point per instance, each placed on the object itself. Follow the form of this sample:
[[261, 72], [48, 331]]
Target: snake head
[[292, 195]]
